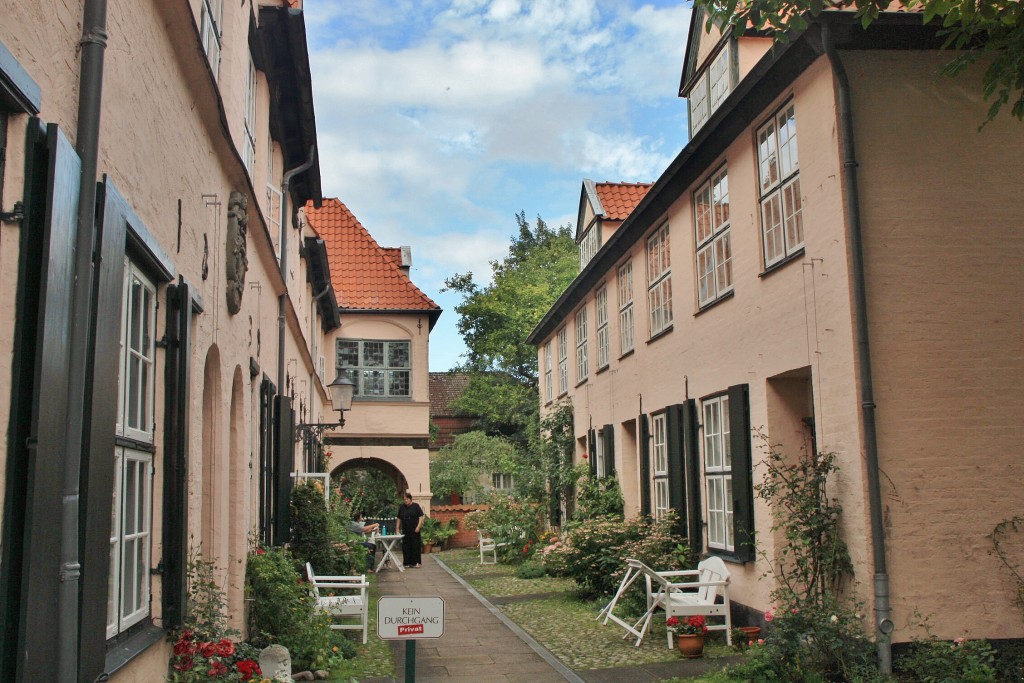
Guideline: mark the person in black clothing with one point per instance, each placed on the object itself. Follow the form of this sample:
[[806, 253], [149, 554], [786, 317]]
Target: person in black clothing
[[410, 519]]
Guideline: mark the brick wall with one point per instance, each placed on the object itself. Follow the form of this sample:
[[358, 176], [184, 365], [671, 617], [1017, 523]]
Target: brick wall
[[466, 538]]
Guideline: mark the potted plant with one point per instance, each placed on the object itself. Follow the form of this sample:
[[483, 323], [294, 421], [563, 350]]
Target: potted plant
[[690, 633], [435, 533]]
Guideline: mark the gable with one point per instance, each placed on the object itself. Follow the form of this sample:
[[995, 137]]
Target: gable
[[590, 207]]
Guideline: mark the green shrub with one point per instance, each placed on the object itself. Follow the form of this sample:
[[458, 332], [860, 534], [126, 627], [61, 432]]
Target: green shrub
[[512, 522], [937, 661], [531, 569], [596, 497], [319, 535]]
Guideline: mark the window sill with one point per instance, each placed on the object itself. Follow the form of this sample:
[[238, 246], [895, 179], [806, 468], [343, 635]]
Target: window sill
[[603, 368], [382, 399], [708, 306], [580, 383], [730, 556], [627, 354], [121, 653], [778, 265], [660, 334]]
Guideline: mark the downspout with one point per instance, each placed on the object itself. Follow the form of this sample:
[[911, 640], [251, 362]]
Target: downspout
[[284, 263], [883, 612], [93, 45]]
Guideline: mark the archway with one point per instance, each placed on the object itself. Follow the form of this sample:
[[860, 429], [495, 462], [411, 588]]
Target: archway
[[373, 485], [209, 469], [238, 501]]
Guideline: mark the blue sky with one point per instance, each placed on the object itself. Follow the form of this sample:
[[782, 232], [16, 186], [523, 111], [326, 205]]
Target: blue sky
[[439, 120]]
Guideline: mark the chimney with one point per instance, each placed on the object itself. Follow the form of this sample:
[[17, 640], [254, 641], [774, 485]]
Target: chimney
[[406, 259]]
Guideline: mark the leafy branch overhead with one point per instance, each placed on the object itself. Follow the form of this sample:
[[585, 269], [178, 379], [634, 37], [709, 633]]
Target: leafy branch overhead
[[993, 29]]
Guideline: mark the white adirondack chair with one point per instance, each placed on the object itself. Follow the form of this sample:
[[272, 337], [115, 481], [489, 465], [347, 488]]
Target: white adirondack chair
[[488, 545], [348, 600]]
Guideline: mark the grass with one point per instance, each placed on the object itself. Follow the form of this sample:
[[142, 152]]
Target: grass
[[372, 659]]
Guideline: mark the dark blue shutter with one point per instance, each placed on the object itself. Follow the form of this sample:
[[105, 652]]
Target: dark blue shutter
[[742, 472]]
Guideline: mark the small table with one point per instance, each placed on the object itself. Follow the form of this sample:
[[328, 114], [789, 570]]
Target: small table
[[387, 544]]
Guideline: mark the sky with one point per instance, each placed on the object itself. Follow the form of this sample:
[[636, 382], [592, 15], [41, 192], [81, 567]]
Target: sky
[[439, 120]]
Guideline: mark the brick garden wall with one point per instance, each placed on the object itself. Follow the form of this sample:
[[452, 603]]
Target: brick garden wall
[[466, 538]]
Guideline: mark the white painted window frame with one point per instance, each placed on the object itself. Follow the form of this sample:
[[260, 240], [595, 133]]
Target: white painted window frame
[[601, 304], [359, 373], [659, 281], [659, 465], [563, 361], [211, 15], [782, 229], [718, 473], [549, 389], [625, 290], [713, 238], [582, 360]]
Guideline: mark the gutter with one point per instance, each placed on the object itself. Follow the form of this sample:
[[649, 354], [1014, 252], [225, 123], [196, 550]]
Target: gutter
[[285, 226], [883, 611], [93, 45]]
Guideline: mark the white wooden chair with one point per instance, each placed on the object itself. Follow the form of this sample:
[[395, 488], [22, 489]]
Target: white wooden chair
[[348, 600], [488, 545], [696, 593]]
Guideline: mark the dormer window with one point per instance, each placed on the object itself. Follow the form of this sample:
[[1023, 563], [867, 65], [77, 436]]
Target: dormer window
[[589, 245], [711, 87]]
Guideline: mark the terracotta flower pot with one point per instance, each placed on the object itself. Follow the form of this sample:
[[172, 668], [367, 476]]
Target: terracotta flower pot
[[750, 633], [691, 645]]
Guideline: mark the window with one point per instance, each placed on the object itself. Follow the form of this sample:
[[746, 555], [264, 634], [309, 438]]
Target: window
[[714, 246], [589, 245], [599, 456], [602, 327], [501, 481], [625, 307], [131, 521], [549, 389], [563, 361], [581, 345], [249, 153], [659, 465], [659, 281], [380, 369], [273, 199], [711, 88], [718, 473], [782, 223], [209, 31]]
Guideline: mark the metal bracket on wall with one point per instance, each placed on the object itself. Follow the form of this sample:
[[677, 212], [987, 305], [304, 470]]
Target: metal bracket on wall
[[17, 215]]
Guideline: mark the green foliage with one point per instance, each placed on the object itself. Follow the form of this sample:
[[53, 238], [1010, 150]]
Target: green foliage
[[503, 405], [283, 610], [1000, 538], [556, 449], [509, 521], [530, 569], [436, 532], [470, 459], [205, 605], [596, 497], [936, 661], [369, 491], [993, 28], [318, 536]]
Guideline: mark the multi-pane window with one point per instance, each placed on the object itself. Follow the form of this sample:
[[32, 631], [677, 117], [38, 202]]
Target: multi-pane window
[[714, 245], [501, 481], [711, 88], [589, 245], [379, 369], [563, 361], [601, 301], [209, 30], [659, 281], [273, 199], [581, 345], [599, 456], [625, 282], [782, 223], [249, 153], [718, 473], [659, 465], [549, 389], [131, 519]]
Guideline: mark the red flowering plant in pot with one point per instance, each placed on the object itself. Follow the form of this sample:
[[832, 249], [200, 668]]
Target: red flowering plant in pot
[[197, 660], [690, 632]]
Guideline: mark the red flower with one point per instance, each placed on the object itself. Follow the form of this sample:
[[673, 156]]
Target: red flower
[[184, 664], [671, 621], [184, 647], [261, 551], [225, 648], [585, 456], [208, 649], [217, 669], [248, 668]]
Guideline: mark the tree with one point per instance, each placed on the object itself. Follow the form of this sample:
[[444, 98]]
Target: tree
[[978, 27], [460, 466]]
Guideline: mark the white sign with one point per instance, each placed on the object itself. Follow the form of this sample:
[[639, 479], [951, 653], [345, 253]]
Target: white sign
[[409, 618]]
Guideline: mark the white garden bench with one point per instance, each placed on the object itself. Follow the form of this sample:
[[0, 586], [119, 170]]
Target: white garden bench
[[488, 545], [696, 594], [348, 598]]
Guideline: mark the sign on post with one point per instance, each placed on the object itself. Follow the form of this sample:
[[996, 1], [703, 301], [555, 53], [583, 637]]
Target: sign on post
[[409, 617]]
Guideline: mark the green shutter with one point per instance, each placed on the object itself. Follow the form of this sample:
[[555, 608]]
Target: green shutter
[[691, 463], [676, 479], [608, 434], [592, 451], [742, 472], [645, 466], [284, 464]]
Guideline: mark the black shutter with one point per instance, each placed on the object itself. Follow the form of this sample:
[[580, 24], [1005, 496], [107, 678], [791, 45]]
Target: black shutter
[[742, 472], [676, 479], [176, 438], [645, 466], [98, 466], [592, 451], [608, 434], [266, 471], [691, 464], [284, 463]]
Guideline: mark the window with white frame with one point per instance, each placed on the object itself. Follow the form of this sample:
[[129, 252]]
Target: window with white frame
[[659, 465], [589, 245], [210, 33], [501, 481], [599, 456], [131, 520], [563, 361], [549, 389], [601, 301], [581, 345], [659, 281], [379, 369], [782, 223], [712, 235], [718, 473], [249, 153], [625, 284], [711, 88]]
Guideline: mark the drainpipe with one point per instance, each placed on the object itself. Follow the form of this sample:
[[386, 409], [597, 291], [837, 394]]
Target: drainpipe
[[284, 263], [93, 44], [883, 612]]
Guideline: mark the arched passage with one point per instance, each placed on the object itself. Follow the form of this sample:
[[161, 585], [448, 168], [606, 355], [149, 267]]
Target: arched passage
[[238, 499], [370, 476], [211, 447]]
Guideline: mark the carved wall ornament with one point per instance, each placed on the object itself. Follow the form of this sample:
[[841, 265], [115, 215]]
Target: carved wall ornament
[[237, 262]]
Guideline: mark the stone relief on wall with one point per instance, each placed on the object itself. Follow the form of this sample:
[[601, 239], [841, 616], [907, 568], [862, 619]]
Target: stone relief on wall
[[237, 261]]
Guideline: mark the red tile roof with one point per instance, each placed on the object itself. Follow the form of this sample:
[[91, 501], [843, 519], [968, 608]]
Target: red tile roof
[[619, 199], [395, 254], [445, 387], [365, 276]]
